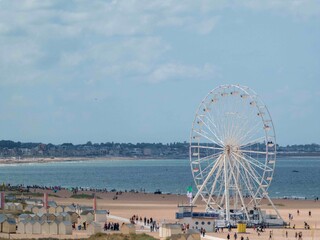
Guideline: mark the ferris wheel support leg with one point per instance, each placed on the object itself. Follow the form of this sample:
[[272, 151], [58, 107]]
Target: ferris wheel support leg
[[274, 207], [226, 190], [205, 182]]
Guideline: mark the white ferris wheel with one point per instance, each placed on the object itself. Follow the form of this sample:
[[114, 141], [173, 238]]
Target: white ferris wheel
[[232, 150]]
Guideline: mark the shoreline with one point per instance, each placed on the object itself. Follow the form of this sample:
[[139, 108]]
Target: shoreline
[[8, 161], [15, 160]]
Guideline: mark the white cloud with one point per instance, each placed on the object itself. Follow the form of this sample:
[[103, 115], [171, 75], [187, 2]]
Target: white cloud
[[299, 8], [176, 71], [62, 40]]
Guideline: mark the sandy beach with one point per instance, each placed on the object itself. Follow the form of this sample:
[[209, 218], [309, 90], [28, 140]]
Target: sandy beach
[[15, 160], [162, 208]]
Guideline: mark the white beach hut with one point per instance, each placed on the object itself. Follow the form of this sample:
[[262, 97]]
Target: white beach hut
[[23, 217], [36, 227], [52, 204], [45, 228], [18, 206], [59, 217], [52, 209], [87, 216], [66, 216], [22, 227], [53, 228], [9, 226], [35, 209], [9, 206], [74, 217], [127, 228], [28, 226], [168, 229], [65, 228], [94, 228], [101, 215], [28, 208], [70, 208], [59, 209]]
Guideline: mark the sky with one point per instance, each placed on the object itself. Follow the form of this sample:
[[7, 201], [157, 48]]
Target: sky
[[136, 71]]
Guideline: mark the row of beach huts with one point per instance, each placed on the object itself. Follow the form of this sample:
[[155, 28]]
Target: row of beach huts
[[47, 217]]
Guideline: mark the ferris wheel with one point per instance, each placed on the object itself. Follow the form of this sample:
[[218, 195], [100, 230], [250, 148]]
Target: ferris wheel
[[232, 150]]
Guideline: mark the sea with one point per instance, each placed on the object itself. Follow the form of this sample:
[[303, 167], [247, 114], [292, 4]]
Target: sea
[[294, 177]]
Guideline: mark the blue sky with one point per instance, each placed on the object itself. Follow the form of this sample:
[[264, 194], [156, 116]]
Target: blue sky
[[135, 71]]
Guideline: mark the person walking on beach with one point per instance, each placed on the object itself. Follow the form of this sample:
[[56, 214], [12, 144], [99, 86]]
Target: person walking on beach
[[235, 236], [228, 236], [286, 234]]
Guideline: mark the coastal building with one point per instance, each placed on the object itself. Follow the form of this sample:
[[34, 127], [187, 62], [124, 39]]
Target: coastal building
[[197, 220]]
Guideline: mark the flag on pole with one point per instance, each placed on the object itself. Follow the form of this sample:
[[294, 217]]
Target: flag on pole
[[189, 192]]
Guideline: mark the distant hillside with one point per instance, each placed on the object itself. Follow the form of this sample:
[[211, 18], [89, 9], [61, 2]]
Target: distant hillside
[[140, 150]]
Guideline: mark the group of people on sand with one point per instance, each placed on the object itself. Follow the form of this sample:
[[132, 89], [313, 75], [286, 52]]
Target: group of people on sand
[[111, 226], [235, 235], [135, 219]]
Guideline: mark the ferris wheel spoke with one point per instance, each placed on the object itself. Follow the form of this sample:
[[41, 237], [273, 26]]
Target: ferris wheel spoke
[[248, 159], [213, 132], [247, 182], [202, 172], [218, 174], [252, 142], [253, 130], [252, 173], [238, 189], [256, 152], [206, 137], [206, 147], [256, 162], [200, 160], [206, 180]]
